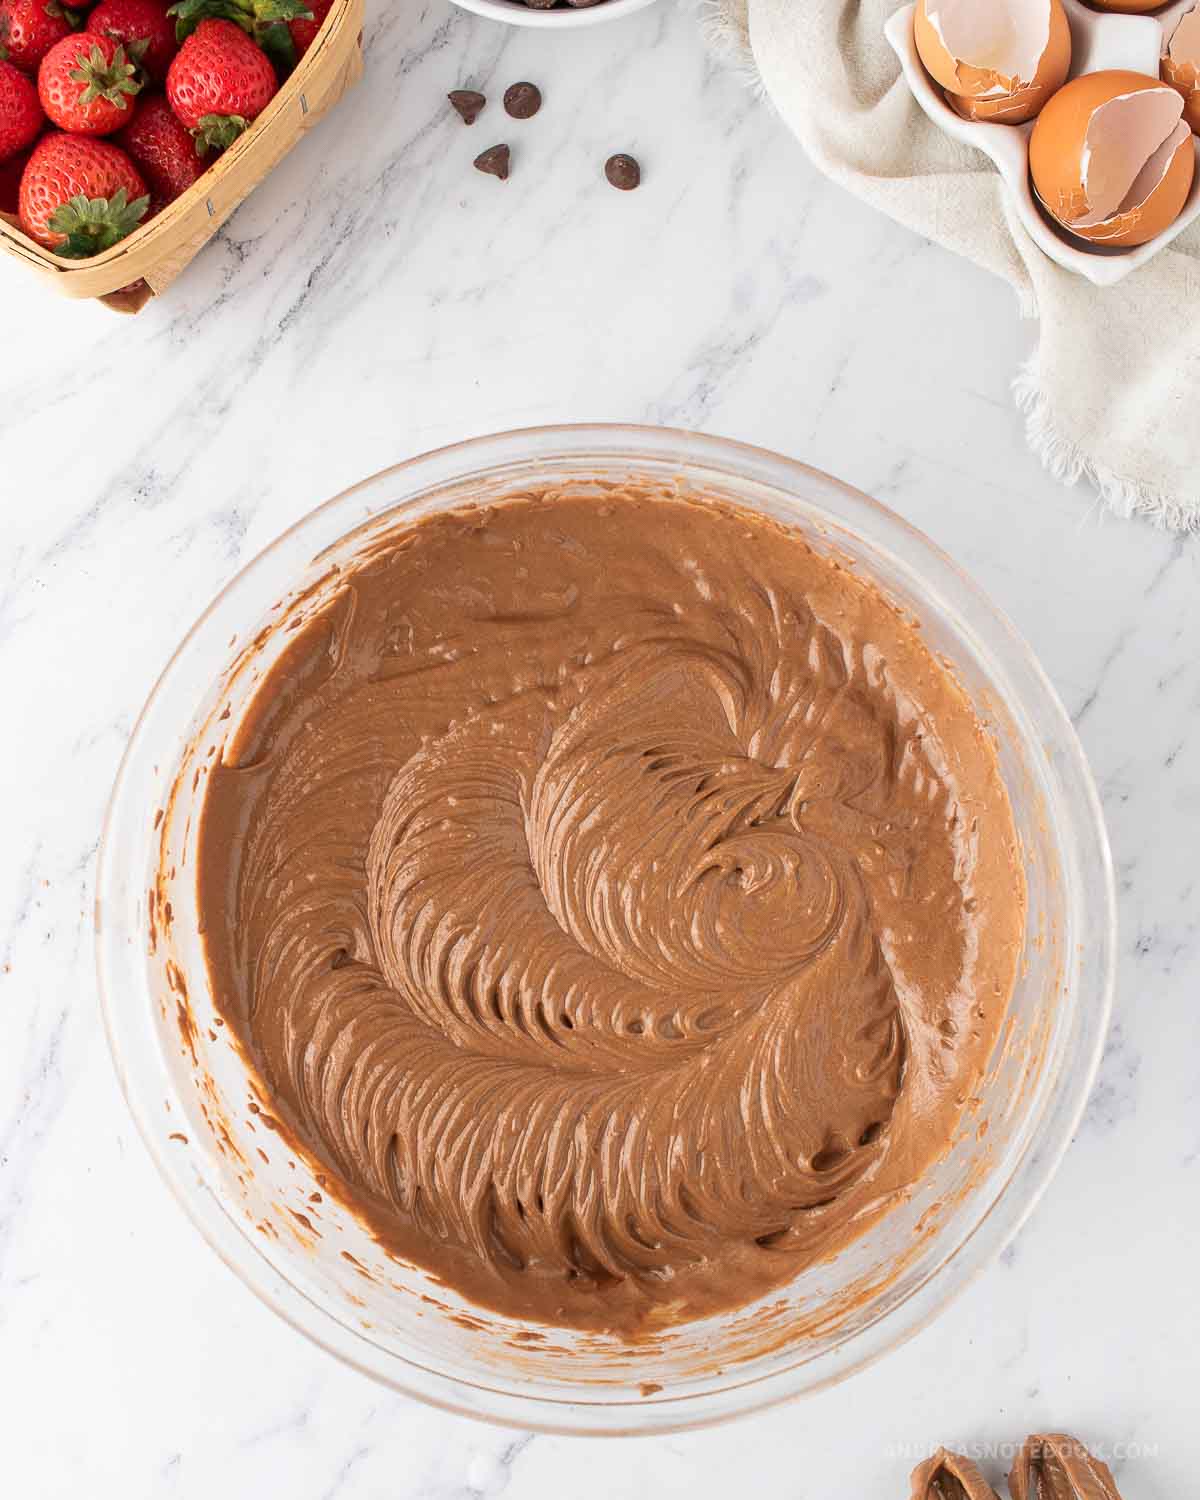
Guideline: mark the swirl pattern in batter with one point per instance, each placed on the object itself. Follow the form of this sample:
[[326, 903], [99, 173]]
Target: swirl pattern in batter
[[617, 896]]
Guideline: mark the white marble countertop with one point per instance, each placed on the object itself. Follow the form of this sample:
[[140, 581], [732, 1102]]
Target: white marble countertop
[[376, 297]]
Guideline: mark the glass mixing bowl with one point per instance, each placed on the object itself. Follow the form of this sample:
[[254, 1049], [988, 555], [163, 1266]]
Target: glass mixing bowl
[[251, 1195]]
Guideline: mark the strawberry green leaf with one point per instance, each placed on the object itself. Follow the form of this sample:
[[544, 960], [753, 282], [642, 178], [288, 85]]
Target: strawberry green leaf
[[217, 132], [104, 80], [92, 225], [189, 13], [255, 17], [267, 11], [276, 41]]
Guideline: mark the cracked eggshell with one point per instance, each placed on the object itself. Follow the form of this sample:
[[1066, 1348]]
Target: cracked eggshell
[[1181, 65], [1111, 159], [997, 60]]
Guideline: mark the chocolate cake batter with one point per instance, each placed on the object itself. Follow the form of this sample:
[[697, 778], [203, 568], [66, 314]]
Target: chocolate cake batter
[[617, 896]]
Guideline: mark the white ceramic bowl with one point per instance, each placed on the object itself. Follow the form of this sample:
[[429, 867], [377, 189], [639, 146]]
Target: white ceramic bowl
[[252, 1197], [1098, 41], [561, 18]]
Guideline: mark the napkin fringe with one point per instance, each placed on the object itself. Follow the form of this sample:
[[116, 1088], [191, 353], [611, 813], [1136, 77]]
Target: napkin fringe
[[726, 31], [1069, 463]]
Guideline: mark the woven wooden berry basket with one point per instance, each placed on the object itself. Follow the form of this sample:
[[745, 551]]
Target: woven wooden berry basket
[[148, 261]]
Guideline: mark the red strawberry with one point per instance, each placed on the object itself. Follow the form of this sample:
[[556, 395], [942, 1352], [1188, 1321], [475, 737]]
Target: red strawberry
[[145, 30], [162, 150], [220, 81], [21, 116], [304, 32], [29, 28], [267, 21], [10, 181], [80, 196], [87, 85]]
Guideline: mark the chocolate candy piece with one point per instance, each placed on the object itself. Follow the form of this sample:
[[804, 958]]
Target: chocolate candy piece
[[623, 172], [523, 100], [468, 103], [949, 1476], [1054, 1466], [496, 161]]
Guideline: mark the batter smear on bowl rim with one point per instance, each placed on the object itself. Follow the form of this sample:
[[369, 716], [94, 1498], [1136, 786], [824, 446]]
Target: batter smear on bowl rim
[[617, 895]]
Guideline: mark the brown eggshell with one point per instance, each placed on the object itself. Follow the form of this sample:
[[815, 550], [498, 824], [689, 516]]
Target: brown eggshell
[[1056, 150], [1127, 7], [1157, 213], [966, 85], [1008, 109], [1181, 65]]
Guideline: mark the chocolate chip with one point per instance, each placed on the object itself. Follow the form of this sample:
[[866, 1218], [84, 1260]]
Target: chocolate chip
[[468, 103], [495, 160], [523, 100], [623, 172]]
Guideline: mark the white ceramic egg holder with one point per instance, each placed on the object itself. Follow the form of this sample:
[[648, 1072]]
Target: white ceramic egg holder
[[1098, 41]]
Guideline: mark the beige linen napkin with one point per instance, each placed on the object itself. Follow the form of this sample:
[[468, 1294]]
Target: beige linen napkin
[[1112, 393]]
